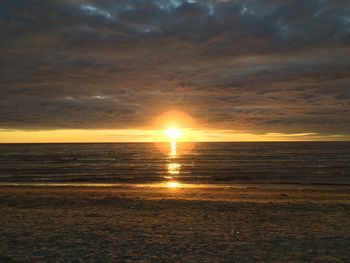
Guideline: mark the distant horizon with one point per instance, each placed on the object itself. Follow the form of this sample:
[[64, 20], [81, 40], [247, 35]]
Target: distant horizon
[[154, 136], [168, 142]]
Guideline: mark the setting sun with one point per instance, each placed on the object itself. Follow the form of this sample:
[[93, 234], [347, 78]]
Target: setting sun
[[173, 133]]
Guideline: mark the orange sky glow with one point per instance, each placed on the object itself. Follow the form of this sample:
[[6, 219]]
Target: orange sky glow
[[189, 129]]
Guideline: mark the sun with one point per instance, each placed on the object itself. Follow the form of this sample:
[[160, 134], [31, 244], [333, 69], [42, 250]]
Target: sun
[[173, 133]]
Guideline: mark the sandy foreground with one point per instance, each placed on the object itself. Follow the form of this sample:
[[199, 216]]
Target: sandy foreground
[[122, 224]]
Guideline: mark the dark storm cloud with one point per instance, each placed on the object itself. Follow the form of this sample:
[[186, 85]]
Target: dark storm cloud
[[264, 66]]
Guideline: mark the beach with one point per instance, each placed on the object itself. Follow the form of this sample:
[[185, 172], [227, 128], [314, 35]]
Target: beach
[[162, 224]]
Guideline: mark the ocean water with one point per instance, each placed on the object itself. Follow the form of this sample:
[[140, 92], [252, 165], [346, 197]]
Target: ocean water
[[301, 163]]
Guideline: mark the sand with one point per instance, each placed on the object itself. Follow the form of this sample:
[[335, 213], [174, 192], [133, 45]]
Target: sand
[[116, 224]]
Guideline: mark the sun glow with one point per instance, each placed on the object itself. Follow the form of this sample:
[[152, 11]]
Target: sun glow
[[173, 133], [175, 127]]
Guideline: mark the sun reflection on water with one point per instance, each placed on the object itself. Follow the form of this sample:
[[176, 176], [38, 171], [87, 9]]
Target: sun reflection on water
[[173, 184], [173, 168], [173, 153]]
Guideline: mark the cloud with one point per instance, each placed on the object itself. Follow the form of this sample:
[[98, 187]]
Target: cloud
[[261, 66]]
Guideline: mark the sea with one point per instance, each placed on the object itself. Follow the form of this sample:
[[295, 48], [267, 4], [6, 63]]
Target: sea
[[224, 163]]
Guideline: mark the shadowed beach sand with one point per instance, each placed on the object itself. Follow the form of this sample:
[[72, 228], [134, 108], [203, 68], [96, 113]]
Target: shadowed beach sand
[[143, 224]]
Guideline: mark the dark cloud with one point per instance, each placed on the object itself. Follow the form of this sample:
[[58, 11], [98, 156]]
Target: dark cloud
[[262, 66]]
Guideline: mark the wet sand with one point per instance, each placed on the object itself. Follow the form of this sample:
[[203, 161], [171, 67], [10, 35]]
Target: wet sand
[[143, 224]]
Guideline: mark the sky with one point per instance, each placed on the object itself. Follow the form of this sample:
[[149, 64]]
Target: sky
[[104, 70]]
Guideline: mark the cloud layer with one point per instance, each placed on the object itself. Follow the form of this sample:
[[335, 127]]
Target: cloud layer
[[259, 65]]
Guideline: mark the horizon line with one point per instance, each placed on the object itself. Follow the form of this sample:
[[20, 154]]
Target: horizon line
[[121, 142]]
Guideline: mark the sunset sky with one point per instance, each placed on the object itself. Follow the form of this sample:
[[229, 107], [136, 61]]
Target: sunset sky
[[105, 70]]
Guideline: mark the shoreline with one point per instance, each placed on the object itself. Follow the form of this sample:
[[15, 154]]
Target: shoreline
[[164, 184], [236, 193]]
